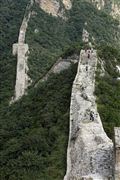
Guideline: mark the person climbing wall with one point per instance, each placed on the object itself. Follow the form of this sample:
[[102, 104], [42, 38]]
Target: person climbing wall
[[88, 54], [92, 118], [86, 68]]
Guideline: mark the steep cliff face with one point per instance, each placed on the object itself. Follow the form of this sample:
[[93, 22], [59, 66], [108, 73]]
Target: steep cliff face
[[50, 6], [54, 7]]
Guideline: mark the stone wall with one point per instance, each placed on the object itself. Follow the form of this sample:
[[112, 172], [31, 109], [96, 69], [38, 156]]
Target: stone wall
[[22, 50], [60, 65], [90, 151], [21, 76]]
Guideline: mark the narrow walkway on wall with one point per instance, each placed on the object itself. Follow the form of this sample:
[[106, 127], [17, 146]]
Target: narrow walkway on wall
[[90, 151], [21, 49]]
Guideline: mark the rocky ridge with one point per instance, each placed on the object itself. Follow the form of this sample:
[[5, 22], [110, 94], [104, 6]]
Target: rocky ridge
[[54, 7]]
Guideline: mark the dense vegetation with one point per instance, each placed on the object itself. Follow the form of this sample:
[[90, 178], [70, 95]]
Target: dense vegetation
[[108, 89], [34, 131], [46, 46]]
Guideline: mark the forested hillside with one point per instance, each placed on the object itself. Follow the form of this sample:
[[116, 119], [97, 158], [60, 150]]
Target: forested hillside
[[34, 130], [11, 15], [47, 46]]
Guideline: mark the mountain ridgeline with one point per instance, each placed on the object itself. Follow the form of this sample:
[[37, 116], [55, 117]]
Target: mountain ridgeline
[[34, 130]]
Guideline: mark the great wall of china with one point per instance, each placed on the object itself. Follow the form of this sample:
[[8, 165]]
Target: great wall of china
[[90, 151], [91, 155], [21, 49]]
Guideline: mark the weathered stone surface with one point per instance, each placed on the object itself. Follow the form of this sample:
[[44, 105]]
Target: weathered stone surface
[[99, 3], [90, 151], [21, 76], [115, 11], [53, 7], [49, 6], [60, 65], [67, 4], [22, 50], [117, 152], [85, 36], [15, 49]]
